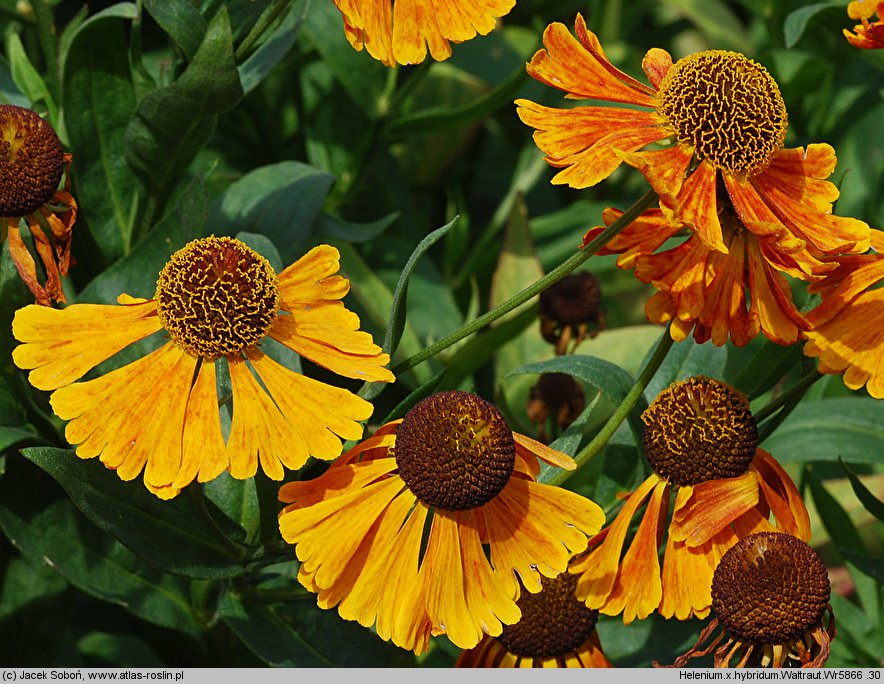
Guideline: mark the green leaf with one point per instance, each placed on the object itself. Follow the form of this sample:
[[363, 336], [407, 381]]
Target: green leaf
[[299, 634], [332, 228], [873, 567], [766, 368], [281, 201], [613, 381], [27, 580], [445, 117], [181, 21], [28, 79], [849, 428], [362, 77], [56, 533], [136, 273], [797, 20], [396, 324], [834, 518], [98, 102], [687, 359], [871, 503], [173, 123], [172, 535], [274, 49], [717, 20]]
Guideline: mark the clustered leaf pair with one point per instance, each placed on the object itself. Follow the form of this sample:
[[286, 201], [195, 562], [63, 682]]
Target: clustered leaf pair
[[437, 523]]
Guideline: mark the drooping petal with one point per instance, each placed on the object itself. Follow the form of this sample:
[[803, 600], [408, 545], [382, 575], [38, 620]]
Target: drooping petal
[[712, 506], [697, 206], [321, 414], [133, 416], [663, 169], [638, 589], [62, 345], [598, 569], [782, 496], [795, 188], [544, 453], [259, 431], [204, 455], [533, 529], [368, 24]]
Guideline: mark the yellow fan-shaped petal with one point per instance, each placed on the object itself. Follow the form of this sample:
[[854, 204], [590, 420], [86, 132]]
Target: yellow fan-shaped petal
[[61, 345]]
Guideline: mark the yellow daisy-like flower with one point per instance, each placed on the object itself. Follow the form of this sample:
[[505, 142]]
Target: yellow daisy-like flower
[[866, 35], [555, 630], [216, 299], [722, 120], [429, 526], [402, 31], [32, 164], [701, 441], [847, 332], [770, 593], [705, 291]]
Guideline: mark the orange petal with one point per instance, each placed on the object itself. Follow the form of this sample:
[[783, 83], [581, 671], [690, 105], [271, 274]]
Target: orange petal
[[712, 506], [258, 430], [852, 342], [26, 266], [782, 496], [319, 413], [663, 169], [103, 423], [369, 24], [697, 205], [544, 453], [598, 569], [638, 589], [581, 68], [329, 336], [656, 64], [61, 345], [203, 452]]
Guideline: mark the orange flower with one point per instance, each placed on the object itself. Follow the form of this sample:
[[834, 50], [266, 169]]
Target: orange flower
[[424, 528], [32, 165], [722, 120], [217, 301], [701, 441], [867, 35], [555, 630], [704, 290], [847, 331], [402, 31]]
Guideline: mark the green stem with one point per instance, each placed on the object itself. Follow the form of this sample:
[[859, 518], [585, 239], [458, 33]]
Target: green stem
[[517, 300], [265, 21], [664, 344], [49, 42]]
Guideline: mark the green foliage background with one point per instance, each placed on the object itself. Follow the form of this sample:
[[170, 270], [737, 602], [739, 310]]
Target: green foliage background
[[187, 118]]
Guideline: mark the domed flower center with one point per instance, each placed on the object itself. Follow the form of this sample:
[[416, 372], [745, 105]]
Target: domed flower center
[[455, 451], [553, 621], [770, 588], [727, 107], [699, 429], [215, 297], [31, 161]]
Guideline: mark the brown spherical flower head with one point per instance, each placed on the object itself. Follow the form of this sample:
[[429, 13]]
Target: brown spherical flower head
[[31, 161], [727, 107], [216, 297], [769, 588], [699, 429], [574, 299], [553, 621], [455, 451]]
